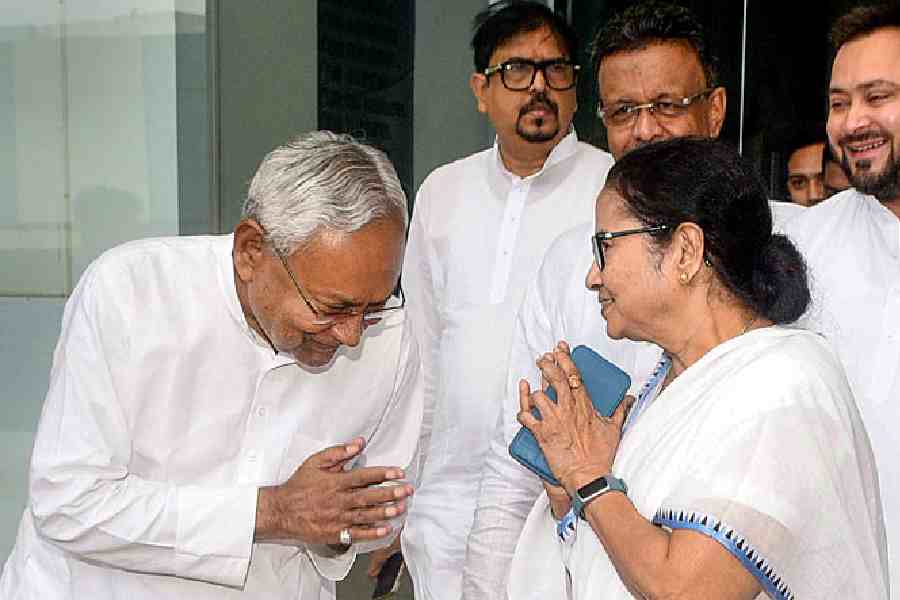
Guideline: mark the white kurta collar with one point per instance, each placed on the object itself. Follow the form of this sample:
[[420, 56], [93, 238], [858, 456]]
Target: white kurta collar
[[563, 150], [228, 288]]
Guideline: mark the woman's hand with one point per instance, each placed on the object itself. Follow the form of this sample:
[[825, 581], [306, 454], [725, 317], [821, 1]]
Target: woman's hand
[[579, 444], [560, 503]]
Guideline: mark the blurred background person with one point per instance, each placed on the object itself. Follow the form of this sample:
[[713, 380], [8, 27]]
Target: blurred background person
[[805, 181]]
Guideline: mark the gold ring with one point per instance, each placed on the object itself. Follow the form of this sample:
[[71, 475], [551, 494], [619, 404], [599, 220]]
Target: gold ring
[[574, 382]]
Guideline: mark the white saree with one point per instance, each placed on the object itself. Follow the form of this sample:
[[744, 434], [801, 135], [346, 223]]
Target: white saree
[[760, 446]]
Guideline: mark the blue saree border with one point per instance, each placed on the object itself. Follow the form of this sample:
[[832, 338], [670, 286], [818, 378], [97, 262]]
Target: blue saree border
[[732, 541]]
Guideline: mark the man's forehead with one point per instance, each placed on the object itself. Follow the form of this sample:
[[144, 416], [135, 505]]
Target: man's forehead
[[807, 159], [658, 69], [869, 60], [543, 41]]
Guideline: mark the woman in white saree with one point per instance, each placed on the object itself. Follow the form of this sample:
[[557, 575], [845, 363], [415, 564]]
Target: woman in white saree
[[748, 471]]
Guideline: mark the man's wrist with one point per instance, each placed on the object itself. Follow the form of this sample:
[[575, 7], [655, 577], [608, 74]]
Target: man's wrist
[[266, 514]]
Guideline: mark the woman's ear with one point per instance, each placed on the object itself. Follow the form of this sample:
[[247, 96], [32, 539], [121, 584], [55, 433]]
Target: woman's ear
[[249, 244], [689, 243]]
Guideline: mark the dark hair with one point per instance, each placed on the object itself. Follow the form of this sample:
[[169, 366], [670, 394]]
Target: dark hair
[[802, 135], [862, 21], [502, 21], [651, 22], [704, 181]]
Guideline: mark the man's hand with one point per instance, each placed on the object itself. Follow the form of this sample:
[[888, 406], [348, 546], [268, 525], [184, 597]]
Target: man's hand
[[321, 498], [378, 557]]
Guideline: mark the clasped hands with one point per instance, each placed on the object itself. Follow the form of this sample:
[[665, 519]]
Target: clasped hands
[[578, 443], [321, 499]]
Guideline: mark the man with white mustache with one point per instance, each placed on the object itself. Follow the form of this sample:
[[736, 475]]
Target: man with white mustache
[[852, 240]]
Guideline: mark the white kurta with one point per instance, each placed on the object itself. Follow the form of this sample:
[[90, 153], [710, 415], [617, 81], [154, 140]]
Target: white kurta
[[759, 446], [851, 243], [557, 306], [164, 416], [477, 237]]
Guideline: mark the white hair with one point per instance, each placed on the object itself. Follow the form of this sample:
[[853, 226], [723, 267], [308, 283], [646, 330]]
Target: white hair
[[322, 180]]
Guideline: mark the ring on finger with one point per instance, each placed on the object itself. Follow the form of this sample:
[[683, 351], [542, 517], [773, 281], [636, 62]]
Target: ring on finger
[[344, 537], [574, 382]]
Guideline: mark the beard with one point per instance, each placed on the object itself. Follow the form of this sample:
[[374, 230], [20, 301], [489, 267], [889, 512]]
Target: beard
[[884, 185], [539, 100]]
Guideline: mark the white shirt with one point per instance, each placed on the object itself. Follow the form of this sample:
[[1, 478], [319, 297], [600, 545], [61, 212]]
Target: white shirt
[[477, 237], [851, 243], [164, 416], [558, 306]]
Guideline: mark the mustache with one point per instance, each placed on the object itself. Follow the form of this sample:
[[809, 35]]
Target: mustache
[[864, 136], [539, 100]]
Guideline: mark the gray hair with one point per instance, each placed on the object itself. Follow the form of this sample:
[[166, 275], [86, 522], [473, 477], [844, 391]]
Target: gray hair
[[322, 180]]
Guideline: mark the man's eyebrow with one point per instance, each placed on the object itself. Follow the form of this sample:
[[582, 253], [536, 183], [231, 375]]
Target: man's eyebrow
[[340, 302], [627, 99], [864, 86]]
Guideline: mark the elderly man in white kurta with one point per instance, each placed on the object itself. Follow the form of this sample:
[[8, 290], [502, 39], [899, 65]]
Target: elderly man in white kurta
[[480, 227], [215, 418], [851, 241]]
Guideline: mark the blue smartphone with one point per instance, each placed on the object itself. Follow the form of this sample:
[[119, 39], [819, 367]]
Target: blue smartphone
[[605, 383]]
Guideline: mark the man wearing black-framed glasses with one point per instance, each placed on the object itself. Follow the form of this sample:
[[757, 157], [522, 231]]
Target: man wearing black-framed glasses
[[479, 228]]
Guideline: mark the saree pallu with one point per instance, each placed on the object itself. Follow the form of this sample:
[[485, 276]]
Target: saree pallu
[[758, 445]]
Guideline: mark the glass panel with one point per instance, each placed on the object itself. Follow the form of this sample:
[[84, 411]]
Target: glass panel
[[34, 214], [103, 121], [788, 70], [366, 75]]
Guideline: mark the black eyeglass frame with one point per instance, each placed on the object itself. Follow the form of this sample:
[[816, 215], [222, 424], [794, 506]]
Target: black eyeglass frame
[[540, 65], [602, 236], [632, 111], [324, 318]]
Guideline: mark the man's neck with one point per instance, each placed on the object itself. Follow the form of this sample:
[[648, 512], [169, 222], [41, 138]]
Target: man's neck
[[525, 158]]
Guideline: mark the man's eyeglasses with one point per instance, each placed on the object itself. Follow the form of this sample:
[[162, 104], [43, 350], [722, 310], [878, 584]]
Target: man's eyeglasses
[[625, 113], [518, 74], [599, 238], [323, 317]]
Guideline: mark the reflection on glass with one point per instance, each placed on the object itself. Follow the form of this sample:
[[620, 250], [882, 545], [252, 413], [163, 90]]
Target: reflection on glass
[[89, 118], [366, 75]]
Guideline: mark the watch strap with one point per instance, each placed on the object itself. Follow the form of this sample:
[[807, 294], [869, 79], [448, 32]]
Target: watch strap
[[594, 489]]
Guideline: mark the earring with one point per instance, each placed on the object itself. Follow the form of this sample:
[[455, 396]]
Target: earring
[[683, 278]]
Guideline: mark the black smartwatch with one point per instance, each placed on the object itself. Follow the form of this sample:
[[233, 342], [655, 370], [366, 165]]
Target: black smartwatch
[[595, 489]]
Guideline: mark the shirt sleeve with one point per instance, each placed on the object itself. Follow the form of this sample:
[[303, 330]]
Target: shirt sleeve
[[508, 491], [83, 497], [420, 277]]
